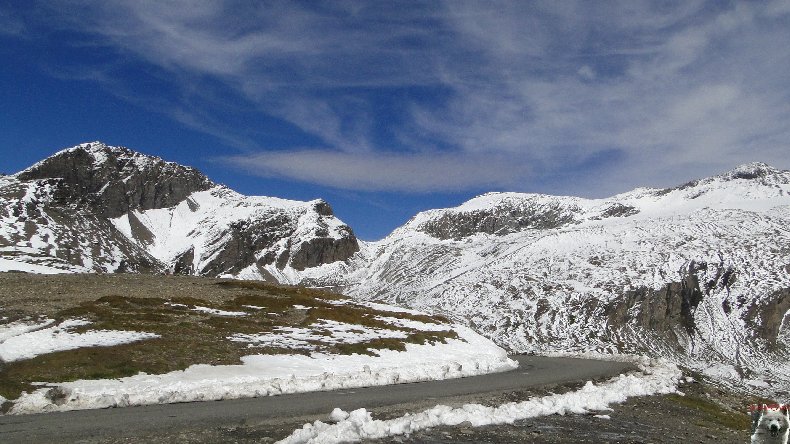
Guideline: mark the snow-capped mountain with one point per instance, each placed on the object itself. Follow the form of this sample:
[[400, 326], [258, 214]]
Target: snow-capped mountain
[[100, 208], [699, 273]]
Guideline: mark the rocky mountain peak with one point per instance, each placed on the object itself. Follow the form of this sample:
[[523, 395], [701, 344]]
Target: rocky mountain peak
[[96, 207], [322, 207], [753, 170], [115, 180], [758, 176], [498, 214]]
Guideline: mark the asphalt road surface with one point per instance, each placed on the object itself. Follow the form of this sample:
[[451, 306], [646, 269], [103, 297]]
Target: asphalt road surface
[[533, 371]]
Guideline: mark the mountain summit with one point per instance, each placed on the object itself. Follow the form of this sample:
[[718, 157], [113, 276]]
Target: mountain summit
[[101, 208], [116, 180]]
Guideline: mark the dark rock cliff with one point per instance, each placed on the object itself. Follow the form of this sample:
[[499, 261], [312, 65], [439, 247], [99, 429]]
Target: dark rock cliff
[[115, 180], [499, 220]]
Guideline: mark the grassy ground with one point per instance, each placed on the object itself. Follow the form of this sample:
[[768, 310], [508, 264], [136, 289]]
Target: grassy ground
[[188, 336]]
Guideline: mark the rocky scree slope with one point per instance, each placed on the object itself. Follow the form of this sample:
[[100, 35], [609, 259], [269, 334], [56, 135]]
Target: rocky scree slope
[[99, 208], [699, 273]]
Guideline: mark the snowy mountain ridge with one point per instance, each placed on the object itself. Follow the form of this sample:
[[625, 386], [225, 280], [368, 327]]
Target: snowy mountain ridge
[[100, 208], [505, 212], [699, 273]]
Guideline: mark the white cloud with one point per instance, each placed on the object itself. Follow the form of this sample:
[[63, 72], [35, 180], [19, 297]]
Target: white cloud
[[677, 90], [586, 72], [425, 172]]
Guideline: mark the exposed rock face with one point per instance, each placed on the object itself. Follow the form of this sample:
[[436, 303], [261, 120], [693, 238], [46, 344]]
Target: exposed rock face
[[115, 180], [500, 220], [324, 250], [39, 227], [100, 208], [501, 214], [618, 210], [768, 318]]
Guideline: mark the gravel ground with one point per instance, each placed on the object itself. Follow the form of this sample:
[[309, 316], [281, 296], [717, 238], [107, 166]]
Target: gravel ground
[[35, 294]]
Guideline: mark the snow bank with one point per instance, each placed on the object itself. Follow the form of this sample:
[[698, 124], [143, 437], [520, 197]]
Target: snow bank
[[262, 375], [25, 342], [656, 377]]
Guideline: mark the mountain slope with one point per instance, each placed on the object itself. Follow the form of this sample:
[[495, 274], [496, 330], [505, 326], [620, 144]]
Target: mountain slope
[[699, 273], [99, 208]]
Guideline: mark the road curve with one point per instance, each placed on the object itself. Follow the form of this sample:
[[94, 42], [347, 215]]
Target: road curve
[[533, 371]]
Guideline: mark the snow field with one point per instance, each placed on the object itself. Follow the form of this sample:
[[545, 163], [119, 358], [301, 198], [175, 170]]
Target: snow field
[[20, 341], [655, 377], [264, 375]]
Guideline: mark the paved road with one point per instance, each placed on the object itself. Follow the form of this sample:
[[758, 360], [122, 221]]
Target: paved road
[[533, 371]]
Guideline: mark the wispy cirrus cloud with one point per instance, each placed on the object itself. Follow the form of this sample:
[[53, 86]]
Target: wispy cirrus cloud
[[436, 96]]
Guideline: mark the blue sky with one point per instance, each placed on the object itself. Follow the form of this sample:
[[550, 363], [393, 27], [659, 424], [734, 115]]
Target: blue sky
[[388, 108]]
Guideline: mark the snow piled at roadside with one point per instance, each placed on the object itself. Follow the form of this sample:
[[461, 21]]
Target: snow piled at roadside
[[262, 375], [656, 377], [20, 341]]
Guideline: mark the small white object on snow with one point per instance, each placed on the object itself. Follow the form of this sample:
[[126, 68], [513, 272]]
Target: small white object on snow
[[338, 415]]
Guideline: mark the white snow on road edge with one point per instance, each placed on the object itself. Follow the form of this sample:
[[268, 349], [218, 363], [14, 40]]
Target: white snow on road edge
[[656, 377], [263, 375]]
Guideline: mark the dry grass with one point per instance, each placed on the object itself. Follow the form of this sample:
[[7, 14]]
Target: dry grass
[[190, 337]]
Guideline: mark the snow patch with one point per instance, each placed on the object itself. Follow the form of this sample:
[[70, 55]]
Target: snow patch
[[721, 371], [218, 312], [21, 327], [27, 267], [34, 342], [324, 331], [262, 375], [656, 377]]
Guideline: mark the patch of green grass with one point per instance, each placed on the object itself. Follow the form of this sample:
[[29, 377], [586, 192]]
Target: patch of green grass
[[715, 413], [188, 337], [365, 348]]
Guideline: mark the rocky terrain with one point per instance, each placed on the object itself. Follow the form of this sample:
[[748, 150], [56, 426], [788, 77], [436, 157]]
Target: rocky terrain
[[97, 208]]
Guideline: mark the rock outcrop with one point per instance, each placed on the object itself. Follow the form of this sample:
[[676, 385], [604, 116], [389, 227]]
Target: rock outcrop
[[115, 180], [508, 216]]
